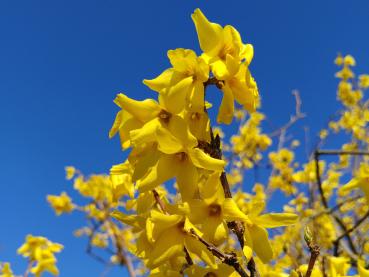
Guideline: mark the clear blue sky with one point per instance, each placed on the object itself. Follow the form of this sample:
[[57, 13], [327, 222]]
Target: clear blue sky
[[62, 62]]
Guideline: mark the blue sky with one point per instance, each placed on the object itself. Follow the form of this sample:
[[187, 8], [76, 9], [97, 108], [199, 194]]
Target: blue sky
[[62, 63]]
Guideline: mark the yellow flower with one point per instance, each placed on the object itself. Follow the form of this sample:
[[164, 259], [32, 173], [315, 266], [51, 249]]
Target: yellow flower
[[182, 86], [229, 60], [70, 171], [5, 270], [121, 179], [256, 236], [302, 271], [213, 211], [223, 47], [362, 270], [221, 270], [364, 81], [177, 156], [360, 180], [61, 204], [41, 251], [338, 266]]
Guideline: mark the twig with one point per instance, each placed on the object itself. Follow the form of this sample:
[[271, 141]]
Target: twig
[[294, 118], [314, 251], [348, 231], [340, 152], [345, 234], [229, 259], [159, 201], [251, 266]]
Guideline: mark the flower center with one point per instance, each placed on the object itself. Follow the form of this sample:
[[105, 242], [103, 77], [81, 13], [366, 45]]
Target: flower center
[[210, 274], [214, 210], [181, 156], [164, 116]]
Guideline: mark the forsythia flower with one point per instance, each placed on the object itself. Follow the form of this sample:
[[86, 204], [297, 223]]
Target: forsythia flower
[[5, 270], [61, 204], [40, 250], [182, 86], [229, 60]]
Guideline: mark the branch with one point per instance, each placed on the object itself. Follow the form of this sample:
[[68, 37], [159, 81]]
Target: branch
[[159, 201], [340, 152], [325, 203], [314, 251], [294, 118], [348, 231], [214, 150], [229, 259]]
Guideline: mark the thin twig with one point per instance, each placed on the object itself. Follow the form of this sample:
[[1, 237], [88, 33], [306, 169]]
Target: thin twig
[[229, 259], [159, 201], [317, 153], [314, 253], [294, 118], [348, 231]]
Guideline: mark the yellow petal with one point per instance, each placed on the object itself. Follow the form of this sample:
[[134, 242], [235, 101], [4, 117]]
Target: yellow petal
[[175, 98], [215, 229], [187, 179], [226, 109], [247, 53], [232, 212], [145, 134], [143, 162], [203, 160], [142, 110], [260, 243], [131, 220], [233, 65], [274, 220], [363, 272], [168, 245], [161, 82], [183, 60], [209, 34], [165, 169], [212, 190], [197, 102], [158, 222], [220, 70]]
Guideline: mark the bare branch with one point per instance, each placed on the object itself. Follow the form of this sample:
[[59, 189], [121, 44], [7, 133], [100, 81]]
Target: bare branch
[[229, 259]]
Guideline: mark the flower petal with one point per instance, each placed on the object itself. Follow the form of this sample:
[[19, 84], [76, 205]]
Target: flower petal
[[209, 34], [165, 169], [202, 160], [226, 109], [260, 243], [274, 220]]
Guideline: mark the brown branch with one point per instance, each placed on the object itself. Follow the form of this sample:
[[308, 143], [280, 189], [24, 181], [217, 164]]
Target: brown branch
[[340, 152], [214, 150], [229, 259], [89, 248], [317, 153], [251, 266], [314, 253], [159, 201], [294, 118], [348, 231]]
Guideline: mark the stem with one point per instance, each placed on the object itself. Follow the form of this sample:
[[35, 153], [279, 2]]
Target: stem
[[229, 259], [317, 153], [314, 253]]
